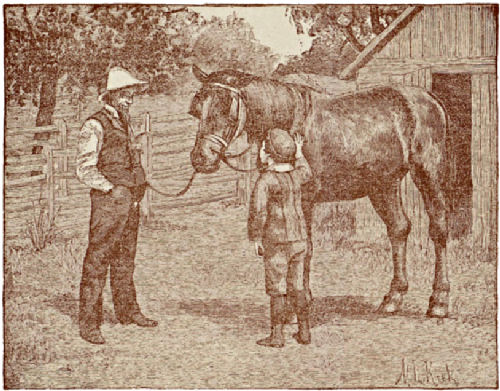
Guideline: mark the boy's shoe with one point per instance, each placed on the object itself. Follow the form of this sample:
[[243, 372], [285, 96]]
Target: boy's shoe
[[303, 336], [275, 340]]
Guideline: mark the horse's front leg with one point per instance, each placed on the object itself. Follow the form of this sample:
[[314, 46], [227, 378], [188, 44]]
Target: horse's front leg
[[387, 203]]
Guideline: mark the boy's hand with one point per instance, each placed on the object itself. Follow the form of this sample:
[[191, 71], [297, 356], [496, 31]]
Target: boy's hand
[[299, 140], [259, 248]]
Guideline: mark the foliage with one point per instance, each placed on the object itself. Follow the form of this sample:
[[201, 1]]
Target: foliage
[[41, 229], [341, 32], [81, 42], [231, 44]]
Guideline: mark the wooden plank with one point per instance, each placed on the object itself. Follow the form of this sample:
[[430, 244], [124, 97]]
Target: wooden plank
[[25, 181], [428, 30], [415, 27], [62, 162], [485, 158], [61, 153], [160, 151], [477, 227], [24, 169], [436, 47], [407, 79], [428, 79], [404, 39], [476, 42], [24, 206], [444, 25], [50, 183], [394, 46], [25, 159], [451, 31], [490, 35], [466, 29], [493, 165], [178, 203], [18, 131]]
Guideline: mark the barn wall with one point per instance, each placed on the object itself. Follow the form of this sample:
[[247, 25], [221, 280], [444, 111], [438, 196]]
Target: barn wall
[[446, 31], [484, 161], [443, 38]]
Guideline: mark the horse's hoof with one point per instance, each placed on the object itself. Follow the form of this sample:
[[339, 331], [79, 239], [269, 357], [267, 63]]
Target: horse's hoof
[[438, 311], [391, 304], [438, 305]]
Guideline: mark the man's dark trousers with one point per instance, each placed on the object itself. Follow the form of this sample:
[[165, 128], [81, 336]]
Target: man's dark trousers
[[114, 224]]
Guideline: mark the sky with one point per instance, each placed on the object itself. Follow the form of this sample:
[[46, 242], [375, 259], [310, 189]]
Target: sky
[[270, 24]]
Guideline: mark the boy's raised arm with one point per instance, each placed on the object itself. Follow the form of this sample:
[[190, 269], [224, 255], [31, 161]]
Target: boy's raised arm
[[301, 165]]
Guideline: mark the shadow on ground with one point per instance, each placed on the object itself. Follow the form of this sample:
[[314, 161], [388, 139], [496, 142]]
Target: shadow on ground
[[244, 314], [67, 305]]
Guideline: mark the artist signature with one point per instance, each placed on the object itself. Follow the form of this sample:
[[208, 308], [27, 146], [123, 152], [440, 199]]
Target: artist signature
[[425, 373]]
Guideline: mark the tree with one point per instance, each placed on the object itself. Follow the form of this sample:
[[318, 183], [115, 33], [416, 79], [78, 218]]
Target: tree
[[341, 31], [231, 44], [81, 42]]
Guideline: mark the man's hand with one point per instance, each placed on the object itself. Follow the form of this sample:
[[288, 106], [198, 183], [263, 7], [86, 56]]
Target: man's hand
[[259, 248], [119, 192]]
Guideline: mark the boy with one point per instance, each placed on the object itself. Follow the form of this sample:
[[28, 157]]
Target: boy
[[277, 226]]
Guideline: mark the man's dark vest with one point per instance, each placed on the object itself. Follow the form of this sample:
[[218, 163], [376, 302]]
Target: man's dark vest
[[117, 161]]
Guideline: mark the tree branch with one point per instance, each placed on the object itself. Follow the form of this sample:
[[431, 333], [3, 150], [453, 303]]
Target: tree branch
[[177, 10], [28, 24], [351, 38], [377, 27]]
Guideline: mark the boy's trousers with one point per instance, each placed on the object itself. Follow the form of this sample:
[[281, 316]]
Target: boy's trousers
[[284, 267]]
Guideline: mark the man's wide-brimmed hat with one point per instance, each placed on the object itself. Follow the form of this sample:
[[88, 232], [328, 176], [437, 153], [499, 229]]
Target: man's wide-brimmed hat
[[119, 78], [280, 146]]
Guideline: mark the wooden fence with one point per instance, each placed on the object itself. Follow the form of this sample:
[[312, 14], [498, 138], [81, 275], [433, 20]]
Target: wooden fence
[[48, 181]]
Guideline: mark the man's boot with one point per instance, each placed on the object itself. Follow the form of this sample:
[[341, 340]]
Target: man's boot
[[92, 335], [276, 339], [303, 336]]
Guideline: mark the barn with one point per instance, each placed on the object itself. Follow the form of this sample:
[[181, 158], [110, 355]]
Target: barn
[[450, 50]]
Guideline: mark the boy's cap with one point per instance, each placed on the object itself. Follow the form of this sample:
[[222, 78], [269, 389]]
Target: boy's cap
[[281, 146]]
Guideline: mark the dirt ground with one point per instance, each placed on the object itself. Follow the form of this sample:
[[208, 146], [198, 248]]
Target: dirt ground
[[196, 273]]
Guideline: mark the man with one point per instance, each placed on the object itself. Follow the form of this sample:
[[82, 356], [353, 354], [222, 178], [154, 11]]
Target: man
[[277, 226], [111, 167]]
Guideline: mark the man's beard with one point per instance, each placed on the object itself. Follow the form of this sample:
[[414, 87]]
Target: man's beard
[[123, 113]]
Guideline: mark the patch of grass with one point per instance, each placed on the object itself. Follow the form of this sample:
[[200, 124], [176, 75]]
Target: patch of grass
[[41, 229]]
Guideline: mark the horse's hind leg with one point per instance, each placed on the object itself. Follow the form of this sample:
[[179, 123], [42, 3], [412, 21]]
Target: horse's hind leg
[[388, 204], [428, 183]]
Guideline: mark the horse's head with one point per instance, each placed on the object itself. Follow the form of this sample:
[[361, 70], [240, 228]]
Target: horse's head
[[221, 111]]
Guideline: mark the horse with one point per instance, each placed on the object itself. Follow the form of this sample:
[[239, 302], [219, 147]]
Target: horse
[[358, 144]]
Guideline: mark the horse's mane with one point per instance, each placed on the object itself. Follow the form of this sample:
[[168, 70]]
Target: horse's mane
[[232, 78], [238, 79]]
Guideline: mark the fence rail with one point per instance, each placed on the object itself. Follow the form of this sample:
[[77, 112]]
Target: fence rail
[[48, 180]]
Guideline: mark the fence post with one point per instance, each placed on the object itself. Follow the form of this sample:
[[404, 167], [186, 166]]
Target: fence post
[[50, 181], [62, 162], [149, 164]]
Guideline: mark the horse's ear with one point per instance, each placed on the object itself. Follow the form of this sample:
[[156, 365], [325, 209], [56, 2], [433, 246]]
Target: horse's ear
[[199, 74]]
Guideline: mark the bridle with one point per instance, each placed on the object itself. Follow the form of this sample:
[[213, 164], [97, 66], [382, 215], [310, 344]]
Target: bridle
[[238, 109]]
